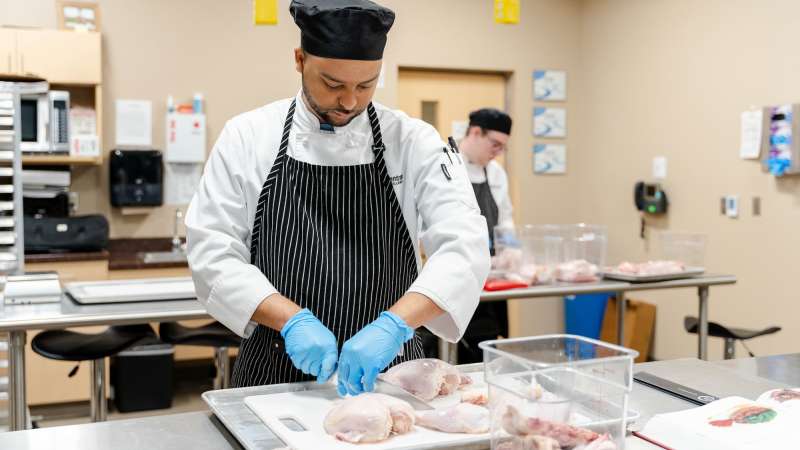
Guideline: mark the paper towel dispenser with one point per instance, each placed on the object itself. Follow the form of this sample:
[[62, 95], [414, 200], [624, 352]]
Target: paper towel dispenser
[[136, 178]]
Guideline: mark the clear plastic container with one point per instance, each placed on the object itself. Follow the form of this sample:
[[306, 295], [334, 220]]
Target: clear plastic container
[[687, 248], [584, 255], [507, 252], [542, 251], [569, 388]]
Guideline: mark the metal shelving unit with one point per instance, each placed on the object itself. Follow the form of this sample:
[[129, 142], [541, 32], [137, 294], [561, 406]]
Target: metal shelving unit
[[12, 242]]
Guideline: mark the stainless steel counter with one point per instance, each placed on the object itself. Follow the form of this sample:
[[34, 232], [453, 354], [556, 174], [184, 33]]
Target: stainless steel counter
[[195, 431], [18, 319], [201, 430]]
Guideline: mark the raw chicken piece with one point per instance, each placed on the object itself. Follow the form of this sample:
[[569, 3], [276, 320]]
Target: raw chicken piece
[[628, 267], [651, 268], [578, 271], [459, 418], [478, 397], [566, 435], [530, 443], [369, 418], [534, 274], [426, 378], [603, 442], [508, 259]]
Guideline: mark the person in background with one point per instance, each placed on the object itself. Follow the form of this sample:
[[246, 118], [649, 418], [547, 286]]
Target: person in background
[[487, 136]]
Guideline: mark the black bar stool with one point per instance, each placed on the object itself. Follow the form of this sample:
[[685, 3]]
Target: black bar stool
[[65, 345], [730, 335], [214, 335]]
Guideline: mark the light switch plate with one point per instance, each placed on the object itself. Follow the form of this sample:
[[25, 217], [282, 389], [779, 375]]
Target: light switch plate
[[732, 206], [660, 167]]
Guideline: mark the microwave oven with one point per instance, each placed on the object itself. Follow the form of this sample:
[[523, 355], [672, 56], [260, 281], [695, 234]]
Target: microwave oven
[[44, 122]]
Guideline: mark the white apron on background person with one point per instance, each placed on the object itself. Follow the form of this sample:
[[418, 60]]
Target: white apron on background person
[[220, 225]]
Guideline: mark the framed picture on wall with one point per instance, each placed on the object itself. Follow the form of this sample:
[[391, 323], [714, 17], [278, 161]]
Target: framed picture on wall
[[549, 158], [549, 122], [78, 15], [550, 85]]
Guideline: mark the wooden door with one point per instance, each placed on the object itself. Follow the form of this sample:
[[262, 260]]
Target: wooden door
[[60, 56], [443, 97], [8, 51]]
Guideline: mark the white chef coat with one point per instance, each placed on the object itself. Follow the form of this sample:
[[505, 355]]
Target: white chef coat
[[220, 218], [498, 186]]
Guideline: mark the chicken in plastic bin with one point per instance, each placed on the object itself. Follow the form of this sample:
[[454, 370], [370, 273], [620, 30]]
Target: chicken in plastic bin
[[529, 417], [510, 262]]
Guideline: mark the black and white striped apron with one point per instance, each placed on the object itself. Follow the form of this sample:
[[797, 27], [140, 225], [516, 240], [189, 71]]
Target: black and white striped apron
[[332, 239]]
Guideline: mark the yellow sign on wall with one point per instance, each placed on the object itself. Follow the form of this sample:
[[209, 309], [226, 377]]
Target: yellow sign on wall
[[506, 11], [265, 12]]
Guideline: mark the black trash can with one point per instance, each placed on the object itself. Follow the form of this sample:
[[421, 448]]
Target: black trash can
[[142, 376]]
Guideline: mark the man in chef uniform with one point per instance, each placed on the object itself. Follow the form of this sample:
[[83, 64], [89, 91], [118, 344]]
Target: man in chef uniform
[[487, 136], [303, 236]]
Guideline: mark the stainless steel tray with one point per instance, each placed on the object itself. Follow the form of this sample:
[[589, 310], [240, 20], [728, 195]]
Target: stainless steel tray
[[689, 272], [228, 405], [139, 290]]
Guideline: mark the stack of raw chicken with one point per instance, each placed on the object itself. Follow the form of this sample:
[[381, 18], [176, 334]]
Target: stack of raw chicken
[[651, 268], [509, 262], [376, 417]]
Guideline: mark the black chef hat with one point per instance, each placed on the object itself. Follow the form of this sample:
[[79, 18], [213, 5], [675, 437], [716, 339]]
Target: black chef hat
[[491, 119], [342, 29]]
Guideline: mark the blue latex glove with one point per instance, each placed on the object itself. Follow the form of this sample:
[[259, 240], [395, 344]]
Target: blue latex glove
[[370, 351], [310, 345]]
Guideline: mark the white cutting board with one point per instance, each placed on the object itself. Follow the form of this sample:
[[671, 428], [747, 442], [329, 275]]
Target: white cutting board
[[309, 409]]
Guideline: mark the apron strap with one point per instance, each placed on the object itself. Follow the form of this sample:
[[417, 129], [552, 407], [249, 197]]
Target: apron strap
[[377, 138], [281, 157]]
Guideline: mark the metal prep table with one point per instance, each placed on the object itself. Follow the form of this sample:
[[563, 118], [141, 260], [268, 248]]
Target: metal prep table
[[447, 350], [202, 430], [18, 319]]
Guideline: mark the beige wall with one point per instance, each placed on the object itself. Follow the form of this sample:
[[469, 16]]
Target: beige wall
[[153, 48], [670, 77], [646, 78]]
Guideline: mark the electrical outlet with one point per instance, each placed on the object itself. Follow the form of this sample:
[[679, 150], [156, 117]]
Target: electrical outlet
[[732, 206]]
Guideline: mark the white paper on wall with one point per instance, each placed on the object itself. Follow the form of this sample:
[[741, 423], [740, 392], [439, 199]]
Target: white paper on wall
[[180, 182], [134, 123]]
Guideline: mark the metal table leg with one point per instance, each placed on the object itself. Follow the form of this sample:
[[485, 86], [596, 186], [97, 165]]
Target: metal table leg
[[222, 364], [702, 329], [18, 405], [98, 405], [448, 352], [622, 304]]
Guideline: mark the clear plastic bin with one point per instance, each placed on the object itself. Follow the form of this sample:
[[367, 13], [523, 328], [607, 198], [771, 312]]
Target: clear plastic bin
[[584, 255], [507, 252], [569, 388], [542, 251], [688, 248], [528, 253]]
